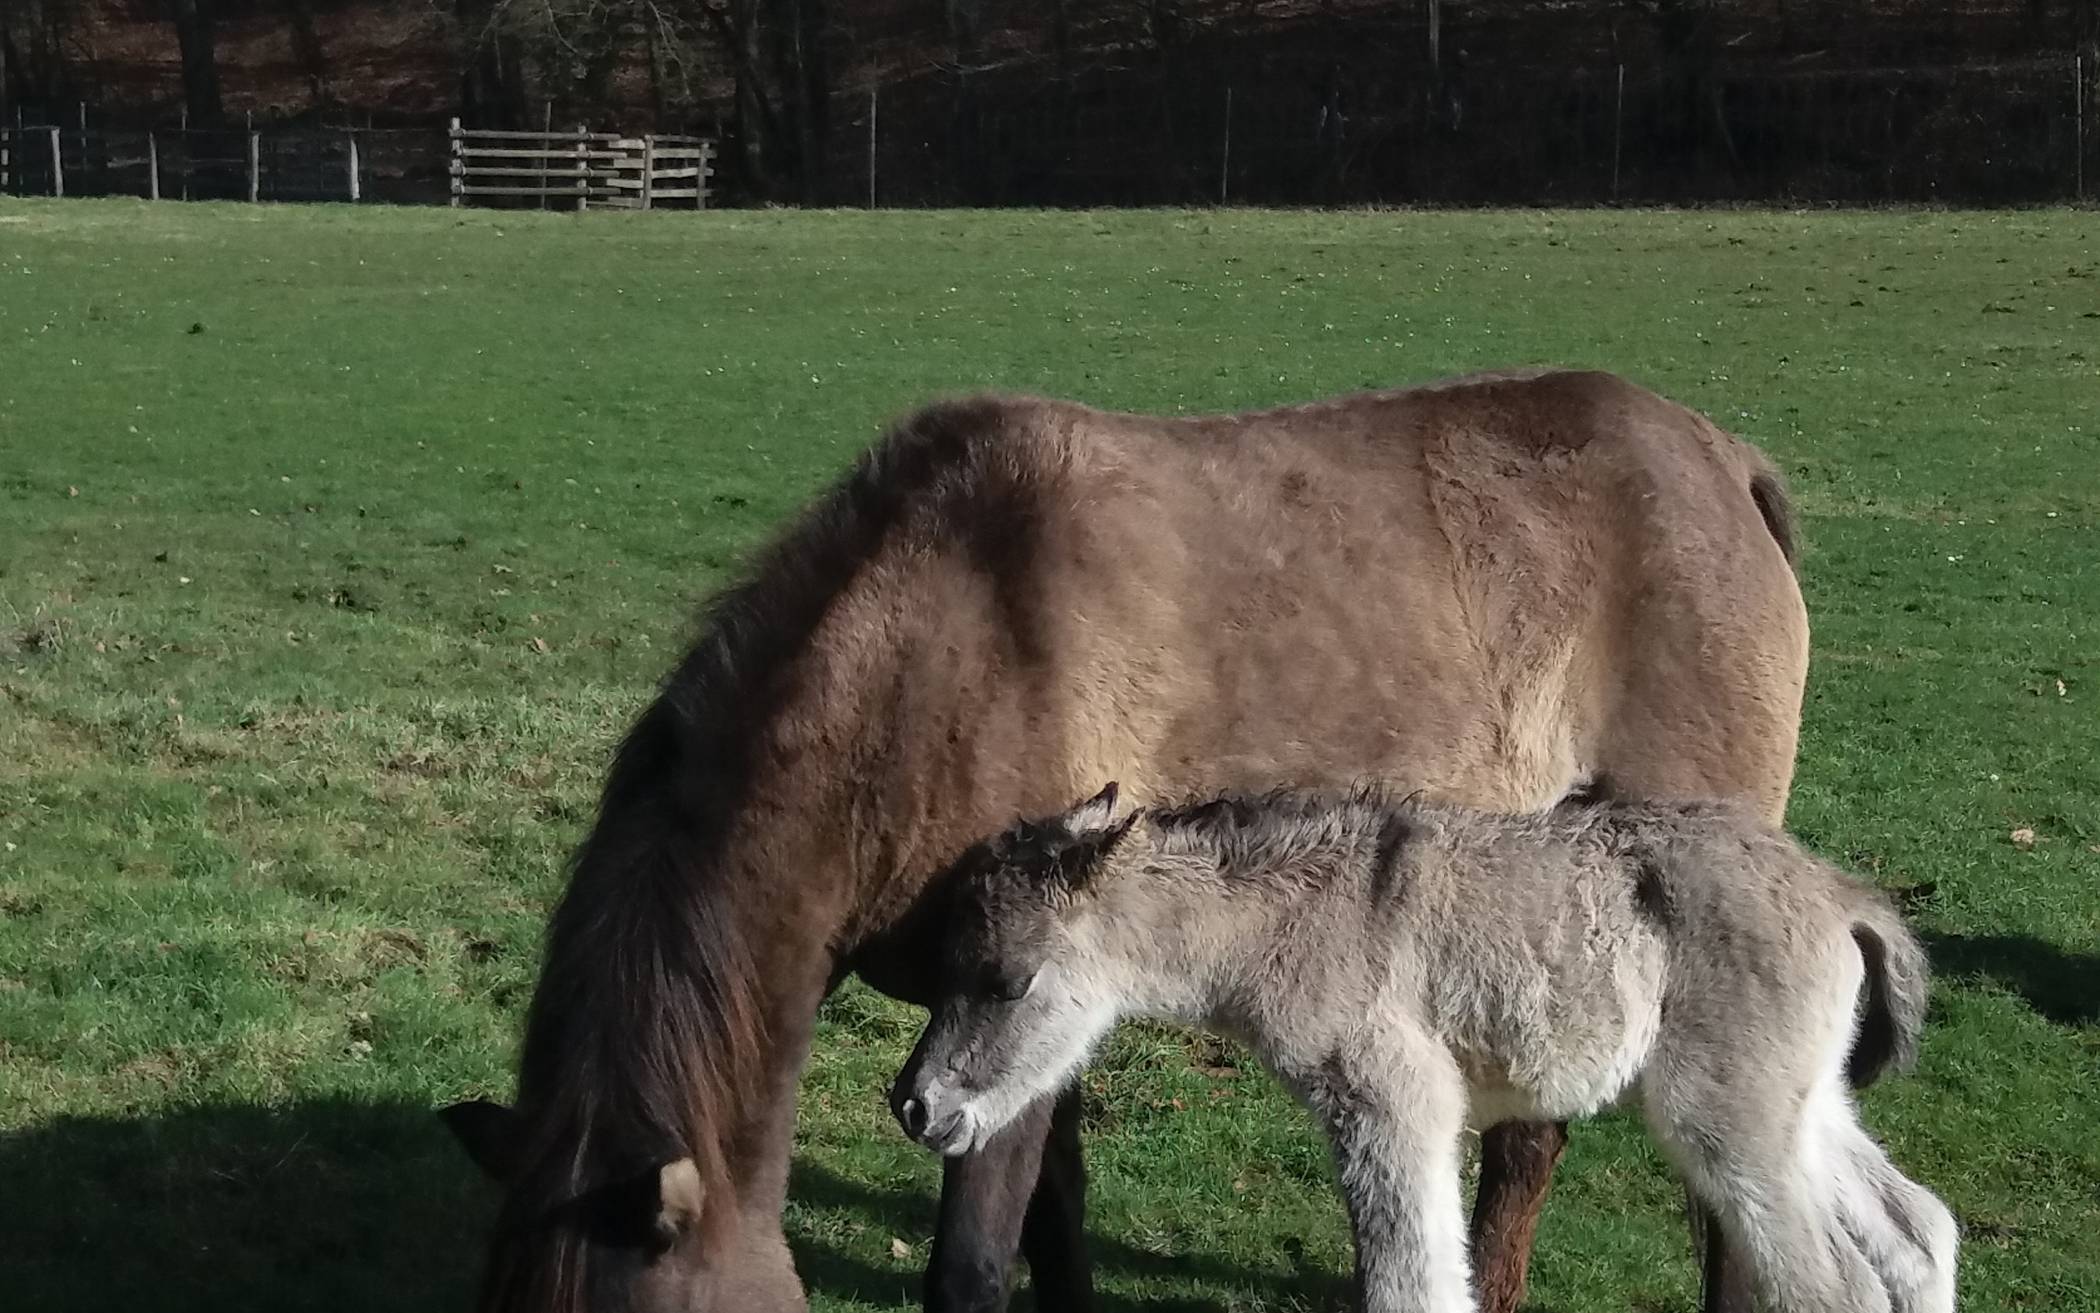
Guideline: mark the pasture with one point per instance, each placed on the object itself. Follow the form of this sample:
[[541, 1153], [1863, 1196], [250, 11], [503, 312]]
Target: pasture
[[337, 546]]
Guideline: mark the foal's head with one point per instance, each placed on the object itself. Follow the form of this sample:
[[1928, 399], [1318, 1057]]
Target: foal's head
[[1021, 1005]]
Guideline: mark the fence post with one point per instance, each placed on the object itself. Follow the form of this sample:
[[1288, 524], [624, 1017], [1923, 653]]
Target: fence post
[[583, 184], [648, 168], [874, 104], [152, 167], [254, 165], [1225, 156], [1618, 119], [707, 170], [58, 168], [2078, 99], [546, 145], [356, 187], [458, 167], [185, 152]]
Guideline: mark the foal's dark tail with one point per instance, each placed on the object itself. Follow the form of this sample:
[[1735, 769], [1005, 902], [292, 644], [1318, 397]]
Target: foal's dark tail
[[1897, 979]]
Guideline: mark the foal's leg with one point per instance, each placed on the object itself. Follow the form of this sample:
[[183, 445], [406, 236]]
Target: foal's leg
[[1394, 1113], [1725, 1283], [1905, 1232], [1779, 1225], [985, 1196], [1516, 1167], [1758, 1158]]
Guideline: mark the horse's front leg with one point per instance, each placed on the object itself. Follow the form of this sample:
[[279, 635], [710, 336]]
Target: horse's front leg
[[990, 1198], [1053, 1238]]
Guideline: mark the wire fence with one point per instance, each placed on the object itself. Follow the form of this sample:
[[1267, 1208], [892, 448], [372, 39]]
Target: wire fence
[[2016, 132], [1274, 133], [407, 166]]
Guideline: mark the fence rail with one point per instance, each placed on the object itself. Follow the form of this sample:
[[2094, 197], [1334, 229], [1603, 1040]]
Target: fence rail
[[581, 167]]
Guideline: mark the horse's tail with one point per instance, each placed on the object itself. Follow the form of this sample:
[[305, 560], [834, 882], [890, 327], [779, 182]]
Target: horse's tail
[[1897, 979], [1768, 492]]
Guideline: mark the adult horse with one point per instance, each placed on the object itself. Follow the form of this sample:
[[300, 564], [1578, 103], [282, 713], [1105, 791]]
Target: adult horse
[[1499, 589]]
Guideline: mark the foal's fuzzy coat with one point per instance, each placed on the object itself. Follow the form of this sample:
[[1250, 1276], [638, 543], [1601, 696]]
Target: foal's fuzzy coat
[[1408, 969]]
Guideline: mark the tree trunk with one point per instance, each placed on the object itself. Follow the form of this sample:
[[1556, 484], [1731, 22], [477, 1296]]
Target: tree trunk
[[200, 61], [754, 111], [963, 16], [812, 97], [306, 44]]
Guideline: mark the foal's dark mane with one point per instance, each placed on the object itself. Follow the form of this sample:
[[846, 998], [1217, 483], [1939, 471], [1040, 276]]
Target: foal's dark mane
[[645, 1034], [1259, 832]]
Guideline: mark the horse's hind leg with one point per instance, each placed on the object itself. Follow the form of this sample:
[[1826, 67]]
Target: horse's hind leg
[[1394, 1110], [1905, 1232], [1516, 1167]]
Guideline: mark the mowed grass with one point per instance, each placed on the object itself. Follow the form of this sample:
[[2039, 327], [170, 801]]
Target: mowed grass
[[337, 546]]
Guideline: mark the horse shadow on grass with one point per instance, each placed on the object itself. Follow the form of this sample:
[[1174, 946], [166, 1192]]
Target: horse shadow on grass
[[2061, 986], [1306, 1286], [335, 1205]]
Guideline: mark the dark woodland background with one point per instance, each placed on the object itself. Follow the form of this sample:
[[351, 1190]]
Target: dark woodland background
[[1058, 102]]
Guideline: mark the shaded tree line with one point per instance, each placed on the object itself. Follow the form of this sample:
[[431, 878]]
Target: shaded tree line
[[981, 92], [523, 58]]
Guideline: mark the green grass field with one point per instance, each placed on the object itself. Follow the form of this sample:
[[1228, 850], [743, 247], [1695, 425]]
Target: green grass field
[[337, 546]]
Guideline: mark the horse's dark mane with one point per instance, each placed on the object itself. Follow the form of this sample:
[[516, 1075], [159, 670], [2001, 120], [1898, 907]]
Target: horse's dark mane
[[646, 1034]]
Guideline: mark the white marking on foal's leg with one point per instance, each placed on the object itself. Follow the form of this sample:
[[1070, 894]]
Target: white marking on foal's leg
[[1395, 1113]]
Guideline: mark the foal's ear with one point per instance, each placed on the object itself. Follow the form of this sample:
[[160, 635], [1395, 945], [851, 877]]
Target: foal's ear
[[488, 1132], [1095, 814], [1094, 834]]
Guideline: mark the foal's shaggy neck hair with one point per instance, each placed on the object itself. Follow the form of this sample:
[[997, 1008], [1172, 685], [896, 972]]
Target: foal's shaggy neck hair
[[1278, 834]]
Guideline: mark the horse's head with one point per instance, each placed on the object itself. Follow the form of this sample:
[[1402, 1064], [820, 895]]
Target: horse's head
[[665, 1237]]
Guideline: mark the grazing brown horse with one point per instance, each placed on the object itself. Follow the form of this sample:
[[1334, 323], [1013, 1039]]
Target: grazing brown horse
[[1499, 590]]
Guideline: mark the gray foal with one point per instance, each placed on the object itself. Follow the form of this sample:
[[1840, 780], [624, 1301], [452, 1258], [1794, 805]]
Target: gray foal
[[1410, 969]]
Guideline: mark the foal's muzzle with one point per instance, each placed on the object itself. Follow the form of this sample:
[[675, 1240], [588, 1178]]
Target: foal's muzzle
[[922, 1121]]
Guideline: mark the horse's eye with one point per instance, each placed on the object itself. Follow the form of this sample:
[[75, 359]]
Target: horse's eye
[[1005, 986]]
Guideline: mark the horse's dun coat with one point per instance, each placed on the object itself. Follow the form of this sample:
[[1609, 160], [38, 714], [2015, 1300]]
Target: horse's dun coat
[[1406, 968]]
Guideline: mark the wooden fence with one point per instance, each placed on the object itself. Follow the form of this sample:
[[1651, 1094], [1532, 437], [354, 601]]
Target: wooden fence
[[580, 167]]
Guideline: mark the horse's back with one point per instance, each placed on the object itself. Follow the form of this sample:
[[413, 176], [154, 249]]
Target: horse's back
[[1493, 587]]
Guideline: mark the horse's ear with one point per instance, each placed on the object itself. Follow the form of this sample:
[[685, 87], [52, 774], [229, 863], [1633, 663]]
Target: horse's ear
[[488, 1132], [680, 1194]]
